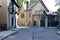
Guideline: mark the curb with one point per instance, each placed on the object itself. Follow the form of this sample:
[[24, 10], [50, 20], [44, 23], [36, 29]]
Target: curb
[[10, 34], [58, 33]]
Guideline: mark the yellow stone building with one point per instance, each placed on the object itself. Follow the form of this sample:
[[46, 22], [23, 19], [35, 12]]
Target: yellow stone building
[[25, 17], [32, 15], [6, 20], [3, 12]]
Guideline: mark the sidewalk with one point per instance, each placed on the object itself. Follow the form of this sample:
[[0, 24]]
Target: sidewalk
[[5, 34], [41, 33], [58, 32]]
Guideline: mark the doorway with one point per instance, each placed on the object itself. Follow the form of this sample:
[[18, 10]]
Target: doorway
[[42, 23], [34, 23]]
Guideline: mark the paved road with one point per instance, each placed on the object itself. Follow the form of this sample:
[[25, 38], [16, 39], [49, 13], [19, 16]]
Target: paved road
[[35, 34]]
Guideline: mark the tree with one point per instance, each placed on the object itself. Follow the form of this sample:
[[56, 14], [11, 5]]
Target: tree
[[58, 4], [32, 1], [58, 10], [20, 2]]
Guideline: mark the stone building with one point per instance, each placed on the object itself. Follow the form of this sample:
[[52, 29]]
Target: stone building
[[8, 19], [33, 14]]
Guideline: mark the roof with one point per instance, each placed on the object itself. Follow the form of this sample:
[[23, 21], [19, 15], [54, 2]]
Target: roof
[[33, 4], [53, 14]]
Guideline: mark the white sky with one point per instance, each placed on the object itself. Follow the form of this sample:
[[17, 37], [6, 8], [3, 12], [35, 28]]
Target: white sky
[[50, 4]]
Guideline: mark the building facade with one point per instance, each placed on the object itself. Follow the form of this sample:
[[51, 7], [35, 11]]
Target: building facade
[[3, 13], [8, 10], [33, 15]]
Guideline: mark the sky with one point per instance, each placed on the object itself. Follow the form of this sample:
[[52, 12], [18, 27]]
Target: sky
[[50, 4]]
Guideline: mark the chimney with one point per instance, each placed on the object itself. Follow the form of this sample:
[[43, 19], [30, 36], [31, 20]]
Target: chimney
[[27, 5]]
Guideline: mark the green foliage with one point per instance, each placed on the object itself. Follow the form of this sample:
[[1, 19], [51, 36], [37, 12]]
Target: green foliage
[[21, 1], [32, 1], [58, 10]]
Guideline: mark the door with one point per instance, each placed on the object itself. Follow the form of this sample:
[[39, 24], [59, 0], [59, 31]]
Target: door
[[34, 23], [42, 23]]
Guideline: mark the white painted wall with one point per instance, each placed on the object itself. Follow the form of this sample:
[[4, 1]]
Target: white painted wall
[[14, 18], [8, 16]]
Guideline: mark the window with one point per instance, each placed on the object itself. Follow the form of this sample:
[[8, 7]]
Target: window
[[22, 15]]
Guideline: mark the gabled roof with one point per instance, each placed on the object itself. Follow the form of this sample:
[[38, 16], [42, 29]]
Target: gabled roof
[[32, 5]]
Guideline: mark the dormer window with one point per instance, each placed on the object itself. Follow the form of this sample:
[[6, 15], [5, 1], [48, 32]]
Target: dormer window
[[0, 4]]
